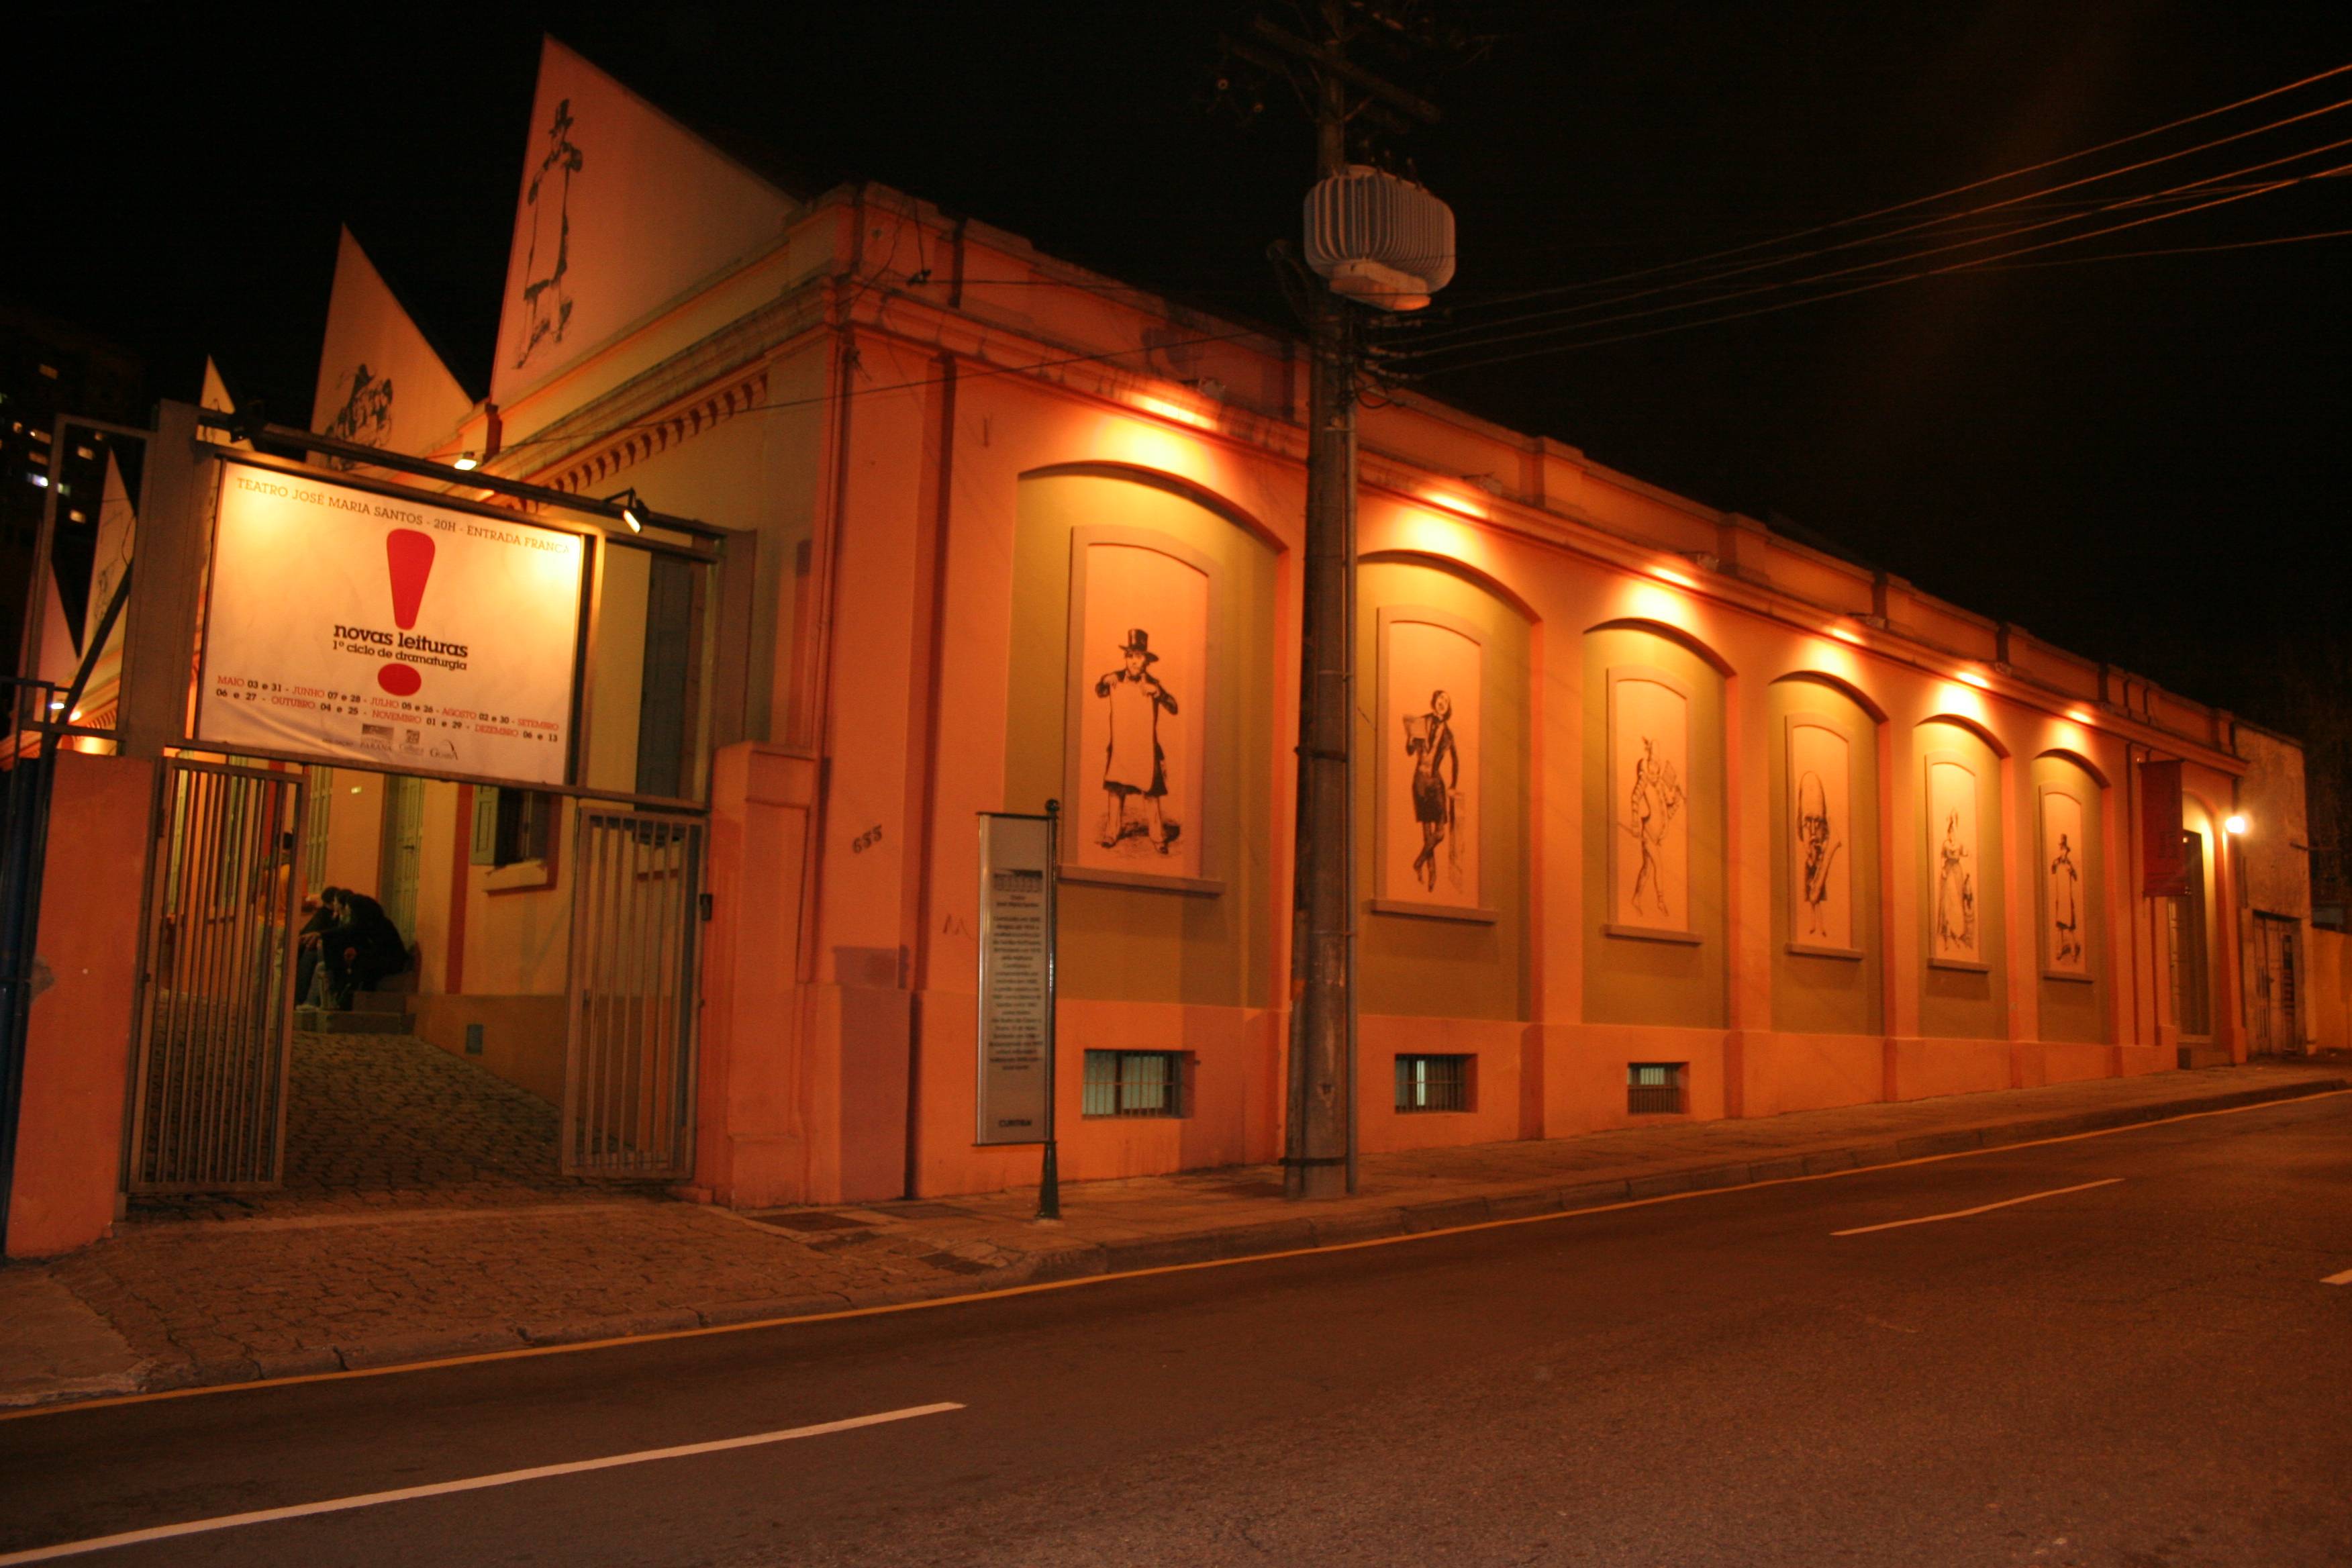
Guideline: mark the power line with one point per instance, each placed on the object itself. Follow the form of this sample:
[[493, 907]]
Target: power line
[[2235, 194], [1978, 262], [1722, 274], [1915, 201]]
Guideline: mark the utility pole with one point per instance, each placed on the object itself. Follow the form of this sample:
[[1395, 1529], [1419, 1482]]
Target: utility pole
[[1319, 1143], [1319, 1147]]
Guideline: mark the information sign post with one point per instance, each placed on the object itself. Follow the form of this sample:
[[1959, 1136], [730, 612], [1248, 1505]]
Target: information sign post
[[1016, 987]]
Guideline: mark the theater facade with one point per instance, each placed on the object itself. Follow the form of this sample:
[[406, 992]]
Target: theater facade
[[1661, 815]]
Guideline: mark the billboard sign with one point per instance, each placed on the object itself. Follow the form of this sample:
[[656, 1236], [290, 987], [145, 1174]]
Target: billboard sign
[[384, 632]]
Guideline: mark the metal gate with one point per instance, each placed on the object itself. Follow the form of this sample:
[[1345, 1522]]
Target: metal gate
[[628, 1080], [2279, 1027], [215, 1009]]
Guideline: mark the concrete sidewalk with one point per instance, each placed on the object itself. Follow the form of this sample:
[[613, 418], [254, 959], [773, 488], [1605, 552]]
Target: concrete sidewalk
[[195, 1301]]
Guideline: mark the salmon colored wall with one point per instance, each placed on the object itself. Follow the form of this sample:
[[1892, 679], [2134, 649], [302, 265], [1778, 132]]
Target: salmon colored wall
[[522, 1037], [76, 1055], [355, 831]]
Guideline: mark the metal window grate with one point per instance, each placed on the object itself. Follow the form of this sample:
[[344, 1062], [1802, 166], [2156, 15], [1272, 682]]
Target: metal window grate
[[1653, 1087], [1134, 1083], [1433, 1083]]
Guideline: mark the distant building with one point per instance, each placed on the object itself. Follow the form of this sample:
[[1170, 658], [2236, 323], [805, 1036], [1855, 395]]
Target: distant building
[[47, 369]]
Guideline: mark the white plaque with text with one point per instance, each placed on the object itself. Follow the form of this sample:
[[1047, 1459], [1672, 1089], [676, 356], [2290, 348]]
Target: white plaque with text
[[1016, 979]]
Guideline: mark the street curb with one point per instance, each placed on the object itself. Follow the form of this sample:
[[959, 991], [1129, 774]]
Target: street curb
[[1079, 1260]]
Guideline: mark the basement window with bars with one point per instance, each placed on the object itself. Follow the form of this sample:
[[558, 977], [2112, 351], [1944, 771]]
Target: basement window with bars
[[1433, 1083], [1134, 1083], [1653, 1088]]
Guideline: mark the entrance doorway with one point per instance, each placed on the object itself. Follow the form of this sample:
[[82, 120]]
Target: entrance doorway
[[2278, 1023], [539, 1042]]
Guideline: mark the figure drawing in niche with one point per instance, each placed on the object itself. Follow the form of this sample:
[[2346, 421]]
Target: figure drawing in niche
[[1436, 788], [1651, 809], [1135, 766], [1818, 838], [2066, 904], [547, 307], [1955, 891]]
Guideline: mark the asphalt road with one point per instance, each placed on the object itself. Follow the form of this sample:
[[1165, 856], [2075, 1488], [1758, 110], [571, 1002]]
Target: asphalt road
[[2147, 1373]]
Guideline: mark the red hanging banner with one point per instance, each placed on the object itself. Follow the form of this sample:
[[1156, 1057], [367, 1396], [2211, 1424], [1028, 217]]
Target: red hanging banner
[[2163, 864]]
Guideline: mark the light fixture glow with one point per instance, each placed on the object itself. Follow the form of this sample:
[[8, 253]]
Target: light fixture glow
[[1845, 634], [1668, 574], [1970, 678], [56, 703], [2233, 825], [629, 516], [1460, 506], [465, 462], [1176, 411]]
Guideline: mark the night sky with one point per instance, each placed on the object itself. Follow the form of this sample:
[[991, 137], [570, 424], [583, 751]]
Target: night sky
[[2143, 458]]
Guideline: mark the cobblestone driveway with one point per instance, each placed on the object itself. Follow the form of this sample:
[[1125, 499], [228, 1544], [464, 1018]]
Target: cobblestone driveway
[[388, 1121]]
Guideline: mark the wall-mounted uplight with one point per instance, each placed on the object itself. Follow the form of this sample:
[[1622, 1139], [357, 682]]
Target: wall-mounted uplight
[[1176, 411], [465, 462], [1970, 678], [1845, 633], [1460, 506], [1668, 574], [2234, 825]]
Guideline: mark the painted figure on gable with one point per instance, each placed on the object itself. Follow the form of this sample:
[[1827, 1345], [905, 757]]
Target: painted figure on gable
[[1956, 893], [1816, 837], [1655, 799], [1436, 787], [547, 306], [1135, 765], [365, 416], [2065, 905]]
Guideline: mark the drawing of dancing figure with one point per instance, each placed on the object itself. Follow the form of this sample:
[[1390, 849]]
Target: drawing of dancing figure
[[1816, 835], [547, 307], [2066, 904], [1956, 893], [1436, 787], [1657, 796], [1134, 764]]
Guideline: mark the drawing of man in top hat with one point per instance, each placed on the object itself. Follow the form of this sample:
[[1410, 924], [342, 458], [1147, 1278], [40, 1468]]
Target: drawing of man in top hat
[[1133, 762]]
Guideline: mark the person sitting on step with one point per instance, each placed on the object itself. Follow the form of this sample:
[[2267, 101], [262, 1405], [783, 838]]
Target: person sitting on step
[[363, 949]]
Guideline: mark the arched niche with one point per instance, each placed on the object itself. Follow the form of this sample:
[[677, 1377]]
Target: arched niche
[[1955, 810], [1704, 652], [2068, 826], [1655, 775], [1164, 897], [1822, 746], [1443, 790]]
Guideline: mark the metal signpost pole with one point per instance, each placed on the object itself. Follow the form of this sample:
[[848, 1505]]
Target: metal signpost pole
[[1049, 1183]]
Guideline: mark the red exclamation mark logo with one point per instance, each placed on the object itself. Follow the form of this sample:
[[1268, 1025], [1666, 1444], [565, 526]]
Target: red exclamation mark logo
[[408, 557]]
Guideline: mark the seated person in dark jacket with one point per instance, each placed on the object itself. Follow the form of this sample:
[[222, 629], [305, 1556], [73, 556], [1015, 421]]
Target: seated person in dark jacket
[[363, 948], [311, 940]]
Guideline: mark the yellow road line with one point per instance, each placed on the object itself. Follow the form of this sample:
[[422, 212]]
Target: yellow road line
[[1980, 1208], [928, 1304]]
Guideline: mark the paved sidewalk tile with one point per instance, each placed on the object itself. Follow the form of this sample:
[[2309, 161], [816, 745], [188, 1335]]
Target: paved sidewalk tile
[[312, 1286]]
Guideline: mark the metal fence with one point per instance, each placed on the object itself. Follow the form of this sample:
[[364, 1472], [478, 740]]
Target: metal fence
[[23, 853], [215, 1006], [628, 1084]]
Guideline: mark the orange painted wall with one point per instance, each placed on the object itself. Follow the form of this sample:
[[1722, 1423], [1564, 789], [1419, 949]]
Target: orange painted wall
[[69, 1132]]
